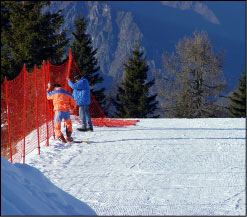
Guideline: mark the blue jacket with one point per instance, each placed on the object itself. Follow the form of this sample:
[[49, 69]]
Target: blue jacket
[[81, 91]]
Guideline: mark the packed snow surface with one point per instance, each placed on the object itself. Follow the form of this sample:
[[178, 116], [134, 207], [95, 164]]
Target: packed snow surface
[[157, 167]]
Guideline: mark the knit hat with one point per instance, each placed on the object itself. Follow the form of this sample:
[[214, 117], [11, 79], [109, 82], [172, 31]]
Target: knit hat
[[77, 77], [57, 85]]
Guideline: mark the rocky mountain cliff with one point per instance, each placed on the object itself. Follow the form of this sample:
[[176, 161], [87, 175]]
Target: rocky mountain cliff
[[112, 32]]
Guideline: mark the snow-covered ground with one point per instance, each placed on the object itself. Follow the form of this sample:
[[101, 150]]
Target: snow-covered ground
[[158, 167], [26, 191]]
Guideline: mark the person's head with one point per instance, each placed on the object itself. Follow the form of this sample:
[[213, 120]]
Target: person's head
[[77, 77], [57, 85]]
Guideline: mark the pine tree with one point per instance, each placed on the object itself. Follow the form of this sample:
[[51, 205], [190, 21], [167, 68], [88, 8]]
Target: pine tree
[[84, 55], [29, 36], [238, 99], [132, 99], [5, 60]]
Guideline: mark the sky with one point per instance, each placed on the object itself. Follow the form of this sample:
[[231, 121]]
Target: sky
[[157, 167]]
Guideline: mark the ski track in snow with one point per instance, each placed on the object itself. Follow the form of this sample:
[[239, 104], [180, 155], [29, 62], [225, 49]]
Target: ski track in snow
[[158, 167]]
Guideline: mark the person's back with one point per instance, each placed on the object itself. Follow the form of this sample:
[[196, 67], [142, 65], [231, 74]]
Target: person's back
[[61, 99], [81, 91], [81, 94], [63, 103]]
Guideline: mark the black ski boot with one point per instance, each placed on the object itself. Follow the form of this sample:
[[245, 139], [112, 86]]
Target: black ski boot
[[68, 136], [62, 139]]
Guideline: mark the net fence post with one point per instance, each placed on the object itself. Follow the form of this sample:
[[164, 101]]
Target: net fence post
[[68, 72], [46, 110], [50, 103], [37, 116], [7, 102], [69, 68], [24, 113]]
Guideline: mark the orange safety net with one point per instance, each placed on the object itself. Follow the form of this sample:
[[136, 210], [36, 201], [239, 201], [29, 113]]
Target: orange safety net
[[27, 115]]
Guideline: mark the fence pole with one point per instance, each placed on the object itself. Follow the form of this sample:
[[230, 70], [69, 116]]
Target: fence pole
[[50, 103], [24, 113], [52, 116], [37, 116], [7, 102], [47, 135], [68, 72], [69, 67]]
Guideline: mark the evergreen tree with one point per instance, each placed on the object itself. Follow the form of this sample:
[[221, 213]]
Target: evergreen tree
[[238, 99], [84, 55], [133, 100], [29, 37]]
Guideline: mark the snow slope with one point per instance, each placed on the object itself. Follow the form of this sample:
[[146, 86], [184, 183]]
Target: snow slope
[[26, 191], [158, 167]]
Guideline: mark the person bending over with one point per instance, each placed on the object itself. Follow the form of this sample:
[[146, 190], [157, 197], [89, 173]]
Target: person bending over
[[63, 103]]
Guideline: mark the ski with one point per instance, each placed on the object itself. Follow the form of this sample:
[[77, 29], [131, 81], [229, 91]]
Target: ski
[[75, 141], [83, 142], [85, 130]]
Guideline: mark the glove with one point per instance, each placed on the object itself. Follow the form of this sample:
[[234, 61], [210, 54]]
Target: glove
[[48, 87]]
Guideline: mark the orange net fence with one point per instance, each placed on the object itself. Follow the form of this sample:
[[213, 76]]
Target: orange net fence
[[27, 115]]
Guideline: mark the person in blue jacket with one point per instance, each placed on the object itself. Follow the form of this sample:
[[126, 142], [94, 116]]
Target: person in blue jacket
[[81, 94]]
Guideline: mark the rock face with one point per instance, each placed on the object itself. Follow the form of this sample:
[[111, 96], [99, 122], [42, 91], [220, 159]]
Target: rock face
[[127, 35], [113, 33]]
